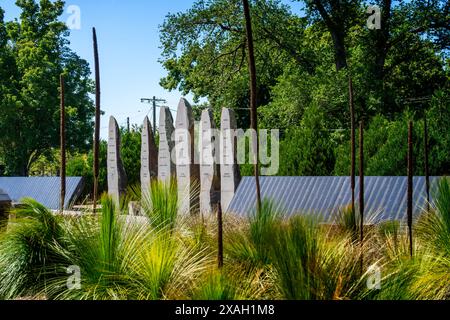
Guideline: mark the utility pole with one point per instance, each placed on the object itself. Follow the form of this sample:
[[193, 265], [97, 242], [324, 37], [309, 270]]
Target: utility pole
[[128, 124], [153, 101]]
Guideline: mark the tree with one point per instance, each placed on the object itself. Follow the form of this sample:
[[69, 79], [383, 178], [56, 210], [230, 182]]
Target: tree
[[37, 53], [211, 39], [307, 150], [394, 70], [81, 165], [409, 32], [338, 16], [386, 143], [131, 154]]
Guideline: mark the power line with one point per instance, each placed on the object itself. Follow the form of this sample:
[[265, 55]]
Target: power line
[[153, 101]]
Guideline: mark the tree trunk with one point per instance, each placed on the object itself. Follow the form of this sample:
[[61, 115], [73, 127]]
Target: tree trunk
[[382, 39], [337, 31], [340, 53]]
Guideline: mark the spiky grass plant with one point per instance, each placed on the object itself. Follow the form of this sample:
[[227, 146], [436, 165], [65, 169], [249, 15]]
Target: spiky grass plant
[[396, 267], [262, 225], [306, 261], [251, 245], [294, 252], [161, 204], [101, 248], [432, 279], [232, 283], [434, 227], [347, 221], [167, 268], [215, 285], [310, 264], [28, 251], [126, 258]]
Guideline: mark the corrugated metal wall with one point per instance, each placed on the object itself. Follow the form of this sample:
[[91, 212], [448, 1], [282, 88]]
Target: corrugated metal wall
[[45, 190], [385, 197], [4, 197]]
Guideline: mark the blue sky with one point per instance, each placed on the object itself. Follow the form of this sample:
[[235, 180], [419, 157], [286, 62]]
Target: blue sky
[[129, 50]]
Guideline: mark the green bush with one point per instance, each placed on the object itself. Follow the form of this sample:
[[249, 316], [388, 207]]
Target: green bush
[[80, 165], [307, 150], [386, 143]]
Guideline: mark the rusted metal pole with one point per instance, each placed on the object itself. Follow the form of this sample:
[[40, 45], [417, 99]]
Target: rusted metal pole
[[353, 151], [361, 180], [361, 193], [62, 135], [220, 235], [427, 168], [154, 116], [97, 120], [410, 186], [253, 98]]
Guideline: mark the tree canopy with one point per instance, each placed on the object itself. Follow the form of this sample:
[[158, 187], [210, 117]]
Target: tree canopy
[[303, 64], [34, 51]]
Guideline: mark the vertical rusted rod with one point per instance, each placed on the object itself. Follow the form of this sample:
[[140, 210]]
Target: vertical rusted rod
[[361, 180], [62, 135], [410, 186], [353, 150], [361, 193], [97, 120], [220, 235], [253, 98], [427, 168]]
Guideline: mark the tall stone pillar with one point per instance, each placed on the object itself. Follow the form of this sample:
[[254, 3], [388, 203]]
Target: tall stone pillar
[[188, 173], [209, 164], [149, 157], [117, 178], [166, 167], [229, 168]]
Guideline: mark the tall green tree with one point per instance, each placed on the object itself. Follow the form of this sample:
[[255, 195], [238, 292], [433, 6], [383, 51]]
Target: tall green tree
[[304, 62], [204, 51], [39, 53], [411, 32]]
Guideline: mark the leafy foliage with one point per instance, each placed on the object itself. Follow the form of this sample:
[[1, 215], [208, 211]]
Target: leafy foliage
[[80, 164], [386, 144], [304, 61], [33, 53]]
